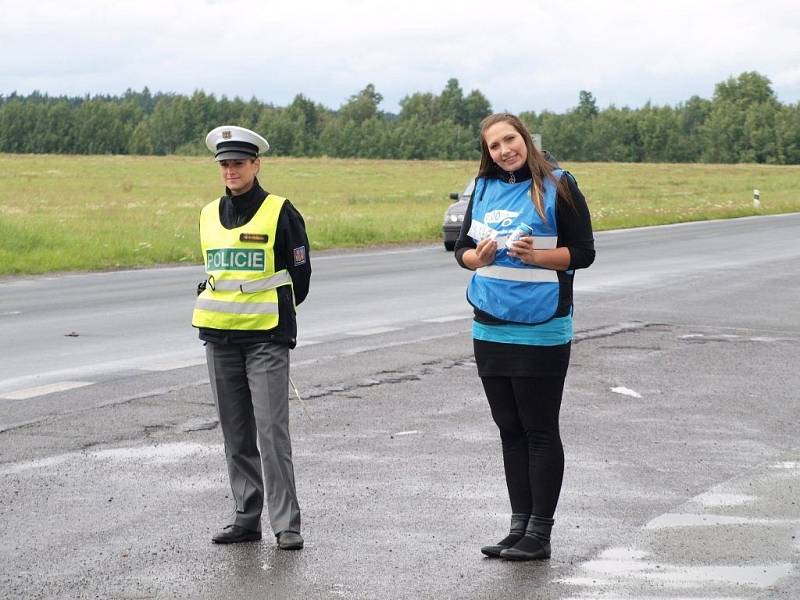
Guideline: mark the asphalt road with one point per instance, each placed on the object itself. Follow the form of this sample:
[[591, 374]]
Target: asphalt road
[[679, 422]]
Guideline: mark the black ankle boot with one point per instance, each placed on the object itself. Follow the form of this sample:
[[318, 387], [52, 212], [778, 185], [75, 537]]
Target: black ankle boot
[[518, 523], [535, 544]]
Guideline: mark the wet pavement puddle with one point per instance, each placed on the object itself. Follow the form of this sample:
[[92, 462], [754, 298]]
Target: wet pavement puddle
[[718, 552], [631, 564]]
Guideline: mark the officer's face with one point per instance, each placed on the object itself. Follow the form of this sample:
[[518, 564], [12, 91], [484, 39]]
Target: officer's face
[[239, 174], [506, 146]]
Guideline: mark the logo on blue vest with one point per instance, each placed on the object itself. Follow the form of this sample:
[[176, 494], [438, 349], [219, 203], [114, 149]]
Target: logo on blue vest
[[504, 217]]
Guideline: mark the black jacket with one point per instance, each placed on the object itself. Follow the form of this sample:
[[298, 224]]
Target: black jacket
[[291, 253]]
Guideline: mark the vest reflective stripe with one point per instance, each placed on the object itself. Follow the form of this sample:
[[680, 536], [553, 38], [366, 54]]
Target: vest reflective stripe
[[540, 242], [237, 308], [241, 293], [509, 289], [509, 274], [247, 286], [545, 242]]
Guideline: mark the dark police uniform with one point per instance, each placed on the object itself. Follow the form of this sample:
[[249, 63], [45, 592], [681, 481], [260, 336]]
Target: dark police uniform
[[257, 257]]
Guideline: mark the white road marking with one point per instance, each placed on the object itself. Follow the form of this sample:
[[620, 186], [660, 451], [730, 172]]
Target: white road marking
[[363, 349], [685, 225], [10, 312], [730, 336], [447, 319], [169, 366], [412, 432], [647, 567], [40, 463], [414, 250], [587, 581], [41, 390], [670, 520], [786, 465], [302, 363], [710, 499], [92, 370], [153, 454], [302, 343], [758, 575], [626, 392], [157, 454], [373, 331]]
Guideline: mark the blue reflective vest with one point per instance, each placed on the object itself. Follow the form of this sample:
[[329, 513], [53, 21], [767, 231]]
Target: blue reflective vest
[[509, 289]]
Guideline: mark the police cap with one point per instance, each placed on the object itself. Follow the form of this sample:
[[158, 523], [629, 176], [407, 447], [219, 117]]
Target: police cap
[[229, 142]]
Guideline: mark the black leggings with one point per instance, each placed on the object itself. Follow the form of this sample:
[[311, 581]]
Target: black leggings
[[525, 410]]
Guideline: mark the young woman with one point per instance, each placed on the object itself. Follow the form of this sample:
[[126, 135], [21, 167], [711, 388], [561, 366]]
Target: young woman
[[521, 293]]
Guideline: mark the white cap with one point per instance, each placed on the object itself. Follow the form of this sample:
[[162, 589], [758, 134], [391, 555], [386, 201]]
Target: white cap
[[229, 142]]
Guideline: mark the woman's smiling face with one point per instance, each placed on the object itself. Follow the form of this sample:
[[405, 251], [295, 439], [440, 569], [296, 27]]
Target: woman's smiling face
[[506, 146]]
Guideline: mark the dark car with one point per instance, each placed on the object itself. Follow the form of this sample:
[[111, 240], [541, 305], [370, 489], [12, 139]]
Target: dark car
[[454, 215]]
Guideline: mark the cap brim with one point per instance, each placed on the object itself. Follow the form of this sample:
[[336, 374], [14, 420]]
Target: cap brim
[[233, 155]]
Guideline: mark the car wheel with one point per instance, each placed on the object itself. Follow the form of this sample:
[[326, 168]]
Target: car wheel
[[449, 246]]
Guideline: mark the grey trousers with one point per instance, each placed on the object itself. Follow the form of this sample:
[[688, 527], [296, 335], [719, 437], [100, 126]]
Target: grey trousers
[[250, 383]]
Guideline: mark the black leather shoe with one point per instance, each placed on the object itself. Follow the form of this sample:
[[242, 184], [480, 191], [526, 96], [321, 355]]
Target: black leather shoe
[[289, 540], [532, 549], [233, 534], [519, 522], [535, 544]]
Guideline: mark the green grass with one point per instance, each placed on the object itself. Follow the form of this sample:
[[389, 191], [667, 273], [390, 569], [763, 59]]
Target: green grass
[[622, 195], [62, 213]]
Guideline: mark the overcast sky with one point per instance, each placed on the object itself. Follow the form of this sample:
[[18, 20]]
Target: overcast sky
[[522, 55]]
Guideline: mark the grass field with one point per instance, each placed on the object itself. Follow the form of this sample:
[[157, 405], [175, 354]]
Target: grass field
[[60, 213]]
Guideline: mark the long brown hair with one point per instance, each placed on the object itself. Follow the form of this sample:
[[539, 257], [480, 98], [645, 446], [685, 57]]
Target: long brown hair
[[537, 163]]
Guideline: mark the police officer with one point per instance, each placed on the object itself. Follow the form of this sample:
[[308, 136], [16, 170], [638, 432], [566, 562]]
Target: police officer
[[257, 259]]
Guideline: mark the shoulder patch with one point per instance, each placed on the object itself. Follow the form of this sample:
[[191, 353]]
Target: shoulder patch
[[299, 256]]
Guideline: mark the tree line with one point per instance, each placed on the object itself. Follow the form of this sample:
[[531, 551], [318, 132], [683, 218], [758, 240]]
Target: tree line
[[742, 122]]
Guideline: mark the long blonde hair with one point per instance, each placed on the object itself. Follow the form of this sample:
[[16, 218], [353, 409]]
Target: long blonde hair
[[537, 163]]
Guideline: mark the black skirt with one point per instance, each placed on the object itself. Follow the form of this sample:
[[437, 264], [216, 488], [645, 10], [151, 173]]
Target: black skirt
[[519, 360]]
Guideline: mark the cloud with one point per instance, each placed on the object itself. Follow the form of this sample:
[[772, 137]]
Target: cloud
[[523, 55]]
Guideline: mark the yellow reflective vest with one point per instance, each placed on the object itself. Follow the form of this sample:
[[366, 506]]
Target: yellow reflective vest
[[241, 291]]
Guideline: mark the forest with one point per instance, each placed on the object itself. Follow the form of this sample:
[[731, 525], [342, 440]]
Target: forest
[[743, 122]]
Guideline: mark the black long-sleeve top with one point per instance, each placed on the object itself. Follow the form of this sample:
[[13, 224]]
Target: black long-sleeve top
[[291, 253], [574, 231]]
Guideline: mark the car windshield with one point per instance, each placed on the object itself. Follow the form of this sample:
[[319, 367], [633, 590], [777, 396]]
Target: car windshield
[[468, 190]]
